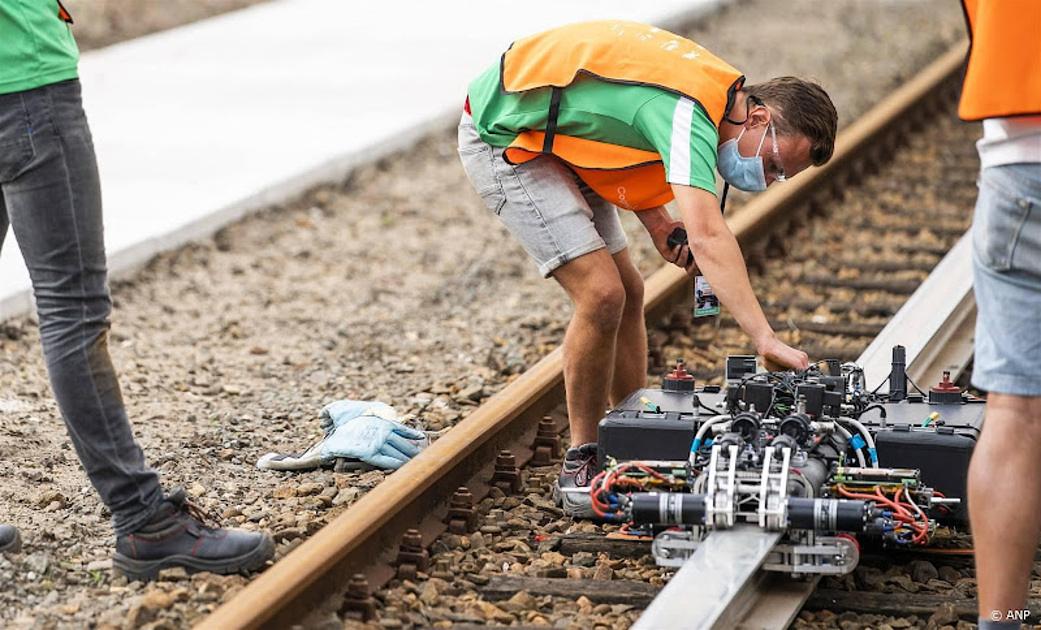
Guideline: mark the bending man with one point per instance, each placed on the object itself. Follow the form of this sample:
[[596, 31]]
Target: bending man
[[575, 122]]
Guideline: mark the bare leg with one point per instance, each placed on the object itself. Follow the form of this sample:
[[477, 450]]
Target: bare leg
[[1005, 501], [630, 365], [593, 283]]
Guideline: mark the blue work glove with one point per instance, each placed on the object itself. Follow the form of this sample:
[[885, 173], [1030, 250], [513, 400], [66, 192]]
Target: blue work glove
[[368, 431], [338, 413]]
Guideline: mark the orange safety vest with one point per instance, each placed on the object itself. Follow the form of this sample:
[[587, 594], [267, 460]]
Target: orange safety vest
[[1004, 73], [620, 52]]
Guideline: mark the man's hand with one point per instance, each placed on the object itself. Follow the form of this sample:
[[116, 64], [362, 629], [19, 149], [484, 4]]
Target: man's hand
[[778, 355], [659, 225]]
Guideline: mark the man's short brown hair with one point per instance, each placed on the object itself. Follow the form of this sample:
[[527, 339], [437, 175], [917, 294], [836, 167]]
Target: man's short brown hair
[[804, 108]]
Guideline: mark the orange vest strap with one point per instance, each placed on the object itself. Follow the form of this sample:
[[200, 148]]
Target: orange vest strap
[[1003, 77], [580, 152]]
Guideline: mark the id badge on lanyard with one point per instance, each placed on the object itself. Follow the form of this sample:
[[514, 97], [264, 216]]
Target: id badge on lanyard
[[706, 304]]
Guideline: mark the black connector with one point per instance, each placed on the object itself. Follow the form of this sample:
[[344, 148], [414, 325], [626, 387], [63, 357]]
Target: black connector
[[898, 375], [679, 237]]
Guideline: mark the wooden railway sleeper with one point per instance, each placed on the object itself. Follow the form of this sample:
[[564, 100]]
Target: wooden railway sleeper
[[798, 218], [818, 207], [755, 258], [775, 246], [655, 359], [461, 516], [854, 174], [837, 190]]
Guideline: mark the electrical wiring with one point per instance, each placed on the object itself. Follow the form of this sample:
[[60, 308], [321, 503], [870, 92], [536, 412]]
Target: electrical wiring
[[606, 486], [881, 409], [917, 522], [705, 407], [849, 438], [879, 386], [775, 445], [868, 440], [917, 388]]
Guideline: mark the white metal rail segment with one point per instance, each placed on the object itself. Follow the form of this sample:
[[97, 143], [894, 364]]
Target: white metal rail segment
[[715, 585]]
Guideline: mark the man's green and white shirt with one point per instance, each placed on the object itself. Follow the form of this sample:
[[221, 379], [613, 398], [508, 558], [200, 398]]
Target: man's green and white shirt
[[636, 116]]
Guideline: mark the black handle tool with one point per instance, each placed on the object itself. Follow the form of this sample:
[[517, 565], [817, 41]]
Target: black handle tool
[[679, 237]]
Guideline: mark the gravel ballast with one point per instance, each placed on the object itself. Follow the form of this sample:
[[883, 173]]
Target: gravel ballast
[[398, 285]]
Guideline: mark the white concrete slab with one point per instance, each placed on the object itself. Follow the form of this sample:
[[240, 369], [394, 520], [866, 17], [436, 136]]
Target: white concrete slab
[[197, 126]]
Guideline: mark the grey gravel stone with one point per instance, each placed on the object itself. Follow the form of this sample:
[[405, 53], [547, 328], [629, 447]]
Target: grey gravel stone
[[922, 571]]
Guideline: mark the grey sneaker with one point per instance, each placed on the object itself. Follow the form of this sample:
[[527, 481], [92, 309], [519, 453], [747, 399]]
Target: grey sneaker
[[10, 539], [177, 536], [578, 470]]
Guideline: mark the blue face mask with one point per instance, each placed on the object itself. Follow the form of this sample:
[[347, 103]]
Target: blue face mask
[[744, 173]]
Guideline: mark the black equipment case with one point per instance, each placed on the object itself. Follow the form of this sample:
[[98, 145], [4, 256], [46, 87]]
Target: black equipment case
[[660, 428], [941, 450]]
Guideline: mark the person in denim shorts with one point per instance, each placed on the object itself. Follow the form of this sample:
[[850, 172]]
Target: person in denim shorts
[[1003, 88]]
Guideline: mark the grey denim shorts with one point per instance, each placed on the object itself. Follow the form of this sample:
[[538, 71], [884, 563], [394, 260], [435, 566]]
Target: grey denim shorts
[[554, 214], [1006, 248]]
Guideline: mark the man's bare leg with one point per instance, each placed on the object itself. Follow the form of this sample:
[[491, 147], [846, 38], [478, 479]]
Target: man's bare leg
[[595, 287], [630, 361], [1005, 501]]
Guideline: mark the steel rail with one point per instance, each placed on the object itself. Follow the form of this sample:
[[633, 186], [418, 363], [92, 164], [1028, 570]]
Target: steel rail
[[364, 535]]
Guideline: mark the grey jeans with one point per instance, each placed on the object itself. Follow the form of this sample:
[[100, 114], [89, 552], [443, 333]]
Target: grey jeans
[[51, 197]]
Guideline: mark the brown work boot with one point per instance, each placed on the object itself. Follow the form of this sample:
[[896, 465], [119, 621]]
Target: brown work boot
[[177, 536]]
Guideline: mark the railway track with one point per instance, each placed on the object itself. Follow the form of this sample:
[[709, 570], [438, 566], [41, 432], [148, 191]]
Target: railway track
[[454, 527]]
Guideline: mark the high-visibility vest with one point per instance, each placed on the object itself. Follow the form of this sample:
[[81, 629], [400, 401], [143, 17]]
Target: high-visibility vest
[[621, 52], [1004, 74]]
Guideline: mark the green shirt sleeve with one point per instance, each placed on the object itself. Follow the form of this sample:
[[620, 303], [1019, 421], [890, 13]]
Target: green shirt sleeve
[[685, 138]]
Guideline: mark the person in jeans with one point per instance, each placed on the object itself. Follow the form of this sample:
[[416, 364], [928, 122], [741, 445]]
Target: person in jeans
[[51, 197], [1003, 89], [571, 124]]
